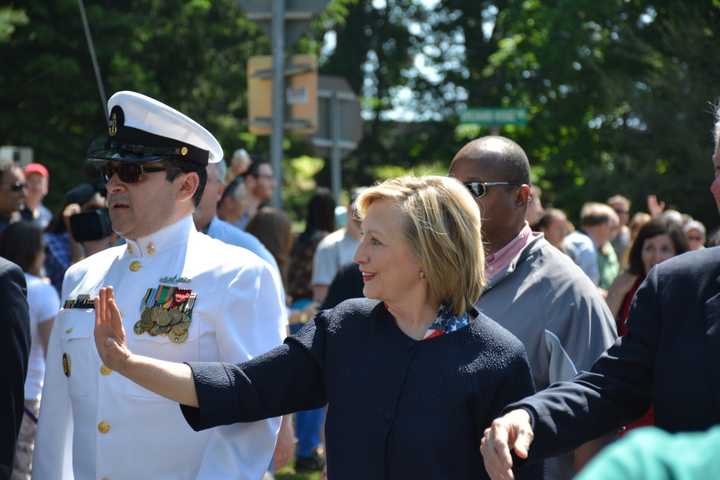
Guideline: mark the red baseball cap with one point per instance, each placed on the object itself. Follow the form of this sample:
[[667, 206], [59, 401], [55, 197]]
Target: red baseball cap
[[36, 168]]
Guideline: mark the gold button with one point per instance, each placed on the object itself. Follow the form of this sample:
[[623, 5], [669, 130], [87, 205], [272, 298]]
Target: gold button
[[105, 370], [103, 427], [135, 266], [150, 248]]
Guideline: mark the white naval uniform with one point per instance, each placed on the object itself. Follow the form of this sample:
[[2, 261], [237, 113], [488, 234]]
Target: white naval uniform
[[119, 430]]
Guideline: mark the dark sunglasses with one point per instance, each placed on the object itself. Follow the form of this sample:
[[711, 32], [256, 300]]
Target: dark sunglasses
[[17, 186], [480, 189], [128, 172]]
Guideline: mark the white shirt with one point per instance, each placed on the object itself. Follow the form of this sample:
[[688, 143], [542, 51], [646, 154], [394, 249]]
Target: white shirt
[[117, 429], [43, 305], [334, 251]]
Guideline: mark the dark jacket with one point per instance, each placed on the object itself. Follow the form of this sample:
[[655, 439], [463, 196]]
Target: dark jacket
[[397, 408], [670, 357], [14, 352]]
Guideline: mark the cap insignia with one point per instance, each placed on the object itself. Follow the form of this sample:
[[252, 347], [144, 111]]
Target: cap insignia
[[184, 151]]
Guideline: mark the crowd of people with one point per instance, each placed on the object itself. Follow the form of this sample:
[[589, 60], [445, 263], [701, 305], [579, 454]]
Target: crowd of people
[[418, 325]]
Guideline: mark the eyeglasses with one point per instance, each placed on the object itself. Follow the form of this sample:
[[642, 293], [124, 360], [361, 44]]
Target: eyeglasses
[[17, 186], [480, 189], [128, 172]]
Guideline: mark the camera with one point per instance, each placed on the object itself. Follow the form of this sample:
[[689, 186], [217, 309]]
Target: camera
[[92, 225]]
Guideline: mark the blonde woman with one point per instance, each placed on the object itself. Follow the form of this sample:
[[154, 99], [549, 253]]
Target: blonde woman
[[411, 378]]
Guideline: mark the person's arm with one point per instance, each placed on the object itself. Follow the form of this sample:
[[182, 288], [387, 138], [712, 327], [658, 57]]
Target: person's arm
[[518, 384], [616, 390], [48, 308], [285, 447], [169, 379], [14, 351], [44, 330]]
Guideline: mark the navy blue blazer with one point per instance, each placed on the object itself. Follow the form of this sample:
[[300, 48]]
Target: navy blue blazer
[[670, 358], [397, 407], [14, 352]]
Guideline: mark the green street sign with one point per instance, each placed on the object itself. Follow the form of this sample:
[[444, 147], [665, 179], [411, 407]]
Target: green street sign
[[494, 116]]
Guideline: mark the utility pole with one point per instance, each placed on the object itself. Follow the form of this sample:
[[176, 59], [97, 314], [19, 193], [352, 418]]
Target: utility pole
[[278, 97]]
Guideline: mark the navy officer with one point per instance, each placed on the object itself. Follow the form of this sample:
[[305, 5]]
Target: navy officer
[[184, 296]]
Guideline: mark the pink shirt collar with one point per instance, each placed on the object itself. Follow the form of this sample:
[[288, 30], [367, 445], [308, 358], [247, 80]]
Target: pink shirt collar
[[500, 260]]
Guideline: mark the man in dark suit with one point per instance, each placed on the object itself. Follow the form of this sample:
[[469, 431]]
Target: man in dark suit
[[14, 352], [670, 358]]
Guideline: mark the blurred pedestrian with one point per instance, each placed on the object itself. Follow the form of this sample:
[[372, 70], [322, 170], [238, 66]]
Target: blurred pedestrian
[[62, 248], [336, 250], [208, 222], [273, 228], [239, 163], [232, 204], [22, 244], [554, 226], [319, 222], [12, 193], [621, 240], [259, 186], [590, 247], [37, 178], [695, 233], [382, 365], [186, 297]]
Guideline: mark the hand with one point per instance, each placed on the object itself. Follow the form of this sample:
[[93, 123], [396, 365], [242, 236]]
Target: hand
[[511, 431], [285, 447], [654, 207], [70, 210], [110, 338]]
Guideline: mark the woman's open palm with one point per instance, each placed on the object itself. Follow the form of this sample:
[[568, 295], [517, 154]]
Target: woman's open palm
[[110, 338]]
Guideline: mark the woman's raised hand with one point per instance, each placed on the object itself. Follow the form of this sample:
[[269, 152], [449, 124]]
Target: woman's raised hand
[[110, 338]]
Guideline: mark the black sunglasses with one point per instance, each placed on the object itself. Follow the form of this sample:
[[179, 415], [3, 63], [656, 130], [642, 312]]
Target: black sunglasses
[[17, 186], [128, 172], [480, 189]]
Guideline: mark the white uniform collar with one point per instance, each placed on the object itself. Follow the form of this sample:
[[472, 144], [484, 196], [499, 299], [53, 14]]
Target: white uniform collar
[[162, 240]]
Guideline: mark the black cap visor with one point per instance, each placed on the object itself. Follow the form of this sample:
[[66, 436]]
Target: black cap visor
[[104, 149], [134, 145]]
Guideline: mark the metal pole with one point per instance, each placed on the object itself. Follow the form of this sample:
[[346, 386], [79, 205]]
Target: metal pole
[[335, 152], [93, 57], [278, 96]]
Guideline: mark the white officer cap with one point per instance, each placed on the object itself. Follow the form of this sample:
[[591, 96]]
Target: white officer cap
[[141, 129]]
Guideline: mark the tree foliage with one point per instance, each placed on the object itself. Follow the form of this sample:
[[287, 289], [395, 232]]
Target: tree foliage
[[619, 92]]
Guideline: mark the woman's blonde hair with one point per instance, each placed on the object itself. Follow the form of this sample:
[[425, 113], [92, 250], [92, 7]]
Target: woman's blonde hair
[[443, 229]]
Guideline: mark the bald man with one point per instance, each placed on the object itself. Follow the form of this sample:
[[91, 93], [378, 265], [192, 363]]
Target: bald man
[[533, 289]]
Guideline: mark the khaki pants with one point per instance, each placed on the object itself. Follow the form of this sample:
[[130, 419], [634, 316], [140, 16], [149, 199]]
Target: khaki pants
[[22, 467]]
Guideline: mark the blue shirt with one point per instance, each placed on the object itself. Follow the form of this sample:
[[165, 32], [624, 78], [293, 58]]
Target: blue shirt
[[57, 258], [582, 250], [225, 232]]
